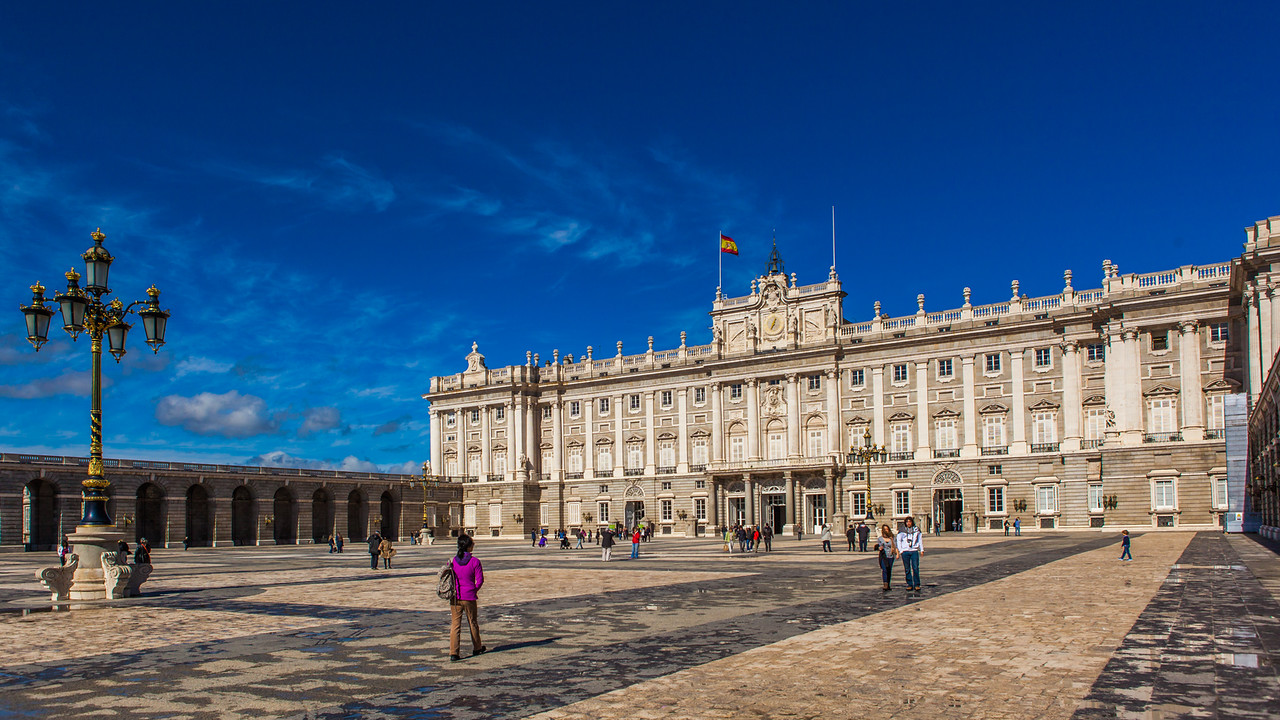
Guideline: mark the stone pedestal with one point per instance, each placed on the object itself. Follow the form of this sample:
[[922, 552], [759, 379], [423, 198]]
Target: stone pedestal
[[57, 580], [93, 571]]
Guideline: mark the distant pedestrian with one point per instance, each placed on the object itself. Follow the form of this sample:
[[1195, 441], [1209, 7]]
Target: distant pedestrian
[[338, 542], [387, 552], [122, 552], [1006, 528], [728, 540], [635, 544], [852, 536], [910, 543], [142, 555], [186, 543], [799, 533], [1124, 544], [332, 547], [64, 549], [470, 578], [579, 540], [542, 541], [742, 539], [888, 550], [863, 533], [1017, 527], [564, 541], [755, 539], [606, 545], [826, 538], [533, 538], [767, 536], [375, 542]]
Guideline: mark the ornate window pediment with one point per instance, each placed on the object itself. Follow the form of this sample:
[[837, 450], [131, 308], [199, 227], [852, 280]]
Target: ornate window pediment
[[900, 416], [993, 409], [634, 491], [604, 441], [546, 446], [700, 433], [574, 443], [635, 438], [946, 413], [473, 447], [499, 448], [1222, 385], [857, 420], [1045, 405], [667, 436], [1159, 390], [1095, 400]]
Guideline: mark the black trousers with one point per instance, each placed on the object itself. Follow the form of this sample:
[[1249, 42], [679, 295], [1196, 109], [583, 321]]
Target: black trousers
[[373, 561]]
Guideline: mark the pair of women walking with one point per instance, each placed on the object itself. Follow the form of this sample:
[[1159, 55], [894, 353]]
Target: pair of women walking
[[908, 544]]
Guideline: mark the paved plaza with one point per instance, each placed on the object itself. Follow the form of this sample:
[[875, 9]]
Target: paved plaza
[[1043, 626]]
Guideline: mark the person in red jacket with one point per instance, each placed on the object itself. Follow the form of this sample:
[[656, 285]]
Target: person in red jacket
[[470, 578], [635, 544]]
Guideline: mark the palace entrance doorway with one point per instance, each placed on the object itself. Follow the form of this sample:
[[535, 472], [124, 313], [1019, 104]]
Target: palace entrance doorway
[[775, 511], [948, 503]]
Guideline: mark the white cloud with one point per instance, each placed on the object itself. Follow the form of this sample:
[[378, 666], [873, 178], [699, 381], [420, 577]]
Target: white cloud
[[317, 420], [69, 382], [194, 365], [350, 463], [229, 415], [338, 182]]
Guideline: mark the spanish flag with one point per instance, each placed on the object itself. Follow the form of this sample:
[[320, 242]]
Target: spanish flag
[[727, 245]]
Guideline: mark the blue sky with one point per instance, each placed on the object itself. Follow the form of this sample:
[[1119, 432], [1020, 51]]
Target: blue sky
[[336, 199]]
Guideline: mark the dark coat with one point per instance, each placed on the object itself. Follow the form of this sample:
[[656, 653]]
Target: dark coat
[[863, 532], [606, 539], [375, 540]]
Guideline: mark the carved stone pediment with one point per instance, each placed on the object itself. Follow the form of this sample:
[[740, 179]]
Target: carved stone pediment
[[604, 441], [993, 408], [773, 490], [900, 416], [1045, 405], [1159, 390], [700, 433], [1222, 385], [1095, 400], [857, 420], [635, 491], [946, 413], [667, 436]]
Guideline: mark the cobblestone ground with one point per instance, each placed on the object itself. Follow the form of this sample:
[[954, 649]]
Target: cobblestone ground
[[1045, 626]]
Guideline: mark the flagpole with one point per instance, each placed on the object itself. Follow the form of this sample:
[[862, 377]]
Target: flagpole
[[833, 238], [720, 260]]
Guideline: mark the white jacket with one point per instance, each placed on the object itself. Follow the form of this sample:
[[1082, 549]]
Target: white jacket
[[910, 540]]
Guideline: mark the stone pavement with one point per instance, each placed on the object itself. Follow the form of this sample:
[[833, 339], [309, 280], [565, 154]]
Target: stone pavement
[[1051, 625]]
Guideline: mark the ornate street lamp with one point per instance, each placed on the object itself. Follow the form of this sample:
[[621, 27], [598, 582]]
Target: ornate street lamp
[[865, 455], [83, 310]]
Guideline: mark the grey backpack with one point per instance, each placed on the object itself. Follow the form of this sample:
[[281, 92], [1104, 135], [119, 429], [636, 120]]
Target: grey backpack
[[447, 582]]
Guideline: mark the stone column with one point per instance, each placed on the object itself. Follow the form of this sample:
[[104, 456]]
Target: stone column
[[713, 503], [589, 451], [790, 482], [531, 448], [1258, 364], [922, 411], [793, 416], [557, 440], [751, 499], [437, 443], [717, 423], [833, 411], [514, 432], [1019, 445], [753, 420], [877, 409], [1071, 396], [837, 520], [682, 421], [1131, 390], [971, 439], [1265, 339], [650, 437], [1192, 393], [486, 445], [619, 441]]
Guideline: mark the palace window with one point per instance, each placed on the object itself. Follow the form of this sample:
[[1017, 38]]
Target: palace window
[[473, 464], [475, 417], [777, 445], [946, 368], [700, 508], [500, 462], [604, 406], [901, 502], [1160, 340], [993, 431], [604, 458], [995, 499], [857, 378], [1217, 408], [1046, 499], [945, 431], [451, 466], [699, 396], [700, 451], [815, 382], [634, 400], [469, 515], [735, 391], [666, 510], [604, 511], [546, 412], [1095, 423], [1218, 333], [817, 443], [1095, 498], [1044, 358], [667, 453], [1095, 352], [857, 435], [500, 413], [575, 459], [575, 408], [665, 398], [700, 484], [575, 512], [635, 456], [993, 362], [1044, 428], [451, 420], [1163, 497], [858, 503], [900, 373], [1162, 420], [666, 485], [737, 448], [604, 489], [900, 432], [544, 514], [995, 469], [1220, 499], [901, 474]]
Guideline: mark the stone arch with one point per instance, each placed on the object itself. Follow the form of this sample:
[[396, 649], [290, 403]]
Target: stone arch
[[357, 516], [199, 516], [152, 515], [244, 517], [389, 511], [322, 520], [284, 513], [40, 511]]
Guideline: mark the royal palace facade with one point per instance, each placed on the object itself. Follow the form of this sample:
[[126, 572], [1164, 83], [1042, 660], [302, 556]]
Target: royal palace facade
[[1102, 407]]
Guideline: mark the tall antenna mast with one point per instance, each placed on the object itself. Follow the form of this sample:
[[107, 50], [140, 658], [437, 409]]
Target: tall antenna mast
[[833, 238]]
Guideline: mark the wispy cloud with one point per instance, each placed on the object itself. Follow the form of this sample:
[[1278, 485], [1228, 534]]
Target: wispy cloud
[[351, 463], [229, 415], [338, 182], [199, 365], [70, 382], [320, 419]]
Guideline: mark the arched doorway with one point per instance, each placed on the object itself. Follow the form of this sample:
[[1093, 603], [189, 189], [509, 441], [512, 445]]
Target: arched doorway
[[633, 512], [357, 516], [243, 518], [285, 520], [199, 517], [389, 509], [151, 515], [321, 515], [40, 515]]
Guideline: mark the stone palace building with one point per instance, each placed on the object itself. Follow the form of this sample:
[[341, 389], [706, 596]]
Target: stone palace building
[[1101, 407]]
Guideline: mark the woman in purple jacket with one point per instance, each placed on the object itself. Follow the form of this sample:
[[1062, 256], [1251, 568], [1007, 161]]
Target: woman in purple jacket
[[470, 578]]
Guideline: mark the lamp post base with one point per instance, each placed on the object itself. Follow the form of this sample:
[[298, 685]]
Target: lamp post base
[[91, 543]]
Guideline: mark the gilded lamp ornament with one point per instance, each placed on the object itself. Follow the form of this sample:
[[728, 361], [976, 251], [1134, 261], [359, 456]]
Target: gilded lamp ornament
[[84, 311]]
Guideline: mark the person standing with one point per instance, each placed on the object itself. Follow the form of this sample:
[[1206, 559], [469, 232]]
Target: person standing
[[332, 547], [852, 536], [142, 554], [606, 544], [910, 543], [387, 552], [1124, 545], [888, 550], [636, 537], [742, 540], [728, 540], [375, 549], [580, 537], [339, 543], [767, 537], [799, 533], [1017, 527], [64, 549], [826, 538], [469, 578], [863, 533], [1006, 527], [533, 538], [186, 543]]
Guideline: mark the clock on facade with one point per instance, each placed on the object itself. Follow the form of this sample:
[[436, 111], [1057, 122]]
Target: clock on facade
[[773, 324]]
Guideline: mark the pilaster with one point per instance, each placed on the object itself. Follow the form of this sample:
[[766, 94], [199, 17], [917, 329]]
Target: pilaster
[[970, 447], [682, 420], [833, 410], [650, 437], [1191, 393], [922, 411], [1016, 369], [793, 415], [486, 444], [877, 407], [1071, 396], [619, 439], [717, 422], [753, 420]]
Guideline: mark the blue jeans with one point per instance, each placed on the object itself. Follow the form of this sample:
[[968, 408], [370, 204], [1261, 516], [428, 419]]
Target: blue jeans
[[1125, 555], [911, 565], [635, 551], [886, 568]]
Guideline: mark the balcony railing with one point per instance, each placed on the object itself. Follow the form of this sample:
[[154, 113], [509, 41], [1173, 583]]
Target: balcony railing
[[1162, 437], [633, 471], [1089, 444], [698, 468], [666, 469], [470, 478], [902, 455], [1214, 434], [996, 450], [946, 453], [573, 476], [774, 464], [493, 477], [1045, 447]]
